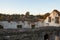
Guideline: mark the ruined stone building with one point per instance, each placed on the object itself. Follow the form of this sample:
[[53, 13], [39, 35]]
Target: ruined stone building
[[29, 27]]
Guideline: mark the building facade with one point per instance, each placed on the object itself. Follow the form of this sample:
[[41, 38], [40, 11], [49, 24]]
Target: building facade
[[53, 19], [30, 21], [20, 24]]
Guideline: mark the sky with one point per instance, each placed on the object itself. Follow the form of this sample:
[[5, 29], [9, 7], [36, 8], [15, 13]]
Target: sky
[[35, 7]]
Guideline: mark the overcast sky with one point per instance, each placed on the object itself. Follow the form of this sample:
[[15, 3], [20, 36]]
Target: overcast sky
[[33, 6]]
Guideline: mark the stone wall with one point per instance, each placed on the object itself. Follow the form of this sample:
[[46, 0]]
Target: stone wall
[[30, 34]]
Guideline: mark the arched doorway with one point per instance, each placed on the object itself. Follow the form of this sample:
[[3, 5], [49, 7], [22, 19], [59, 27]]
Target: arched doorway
[[46, 37]]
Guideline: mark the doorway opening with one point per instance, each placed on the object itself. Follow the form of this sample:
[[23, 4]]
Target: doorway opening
[[46, 37]]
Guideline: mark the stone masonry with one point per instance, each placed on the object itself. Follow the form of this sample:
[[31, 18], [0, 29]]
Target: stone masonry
[[42, 33]]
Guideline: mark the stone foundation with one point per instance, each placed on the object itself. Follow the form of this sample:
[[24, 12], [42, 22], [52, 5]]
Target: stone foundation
[[30, 34]]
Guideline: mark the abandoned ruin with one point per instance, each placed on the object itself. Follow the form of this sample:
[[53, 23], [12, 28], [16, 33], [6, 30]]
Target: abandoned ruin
[[30, 27]]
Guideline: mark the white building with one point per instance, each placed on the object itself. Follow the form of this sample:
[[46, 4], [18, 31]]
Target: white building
[[53, 19], [20, 24], [24, 22], [20, 21]]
